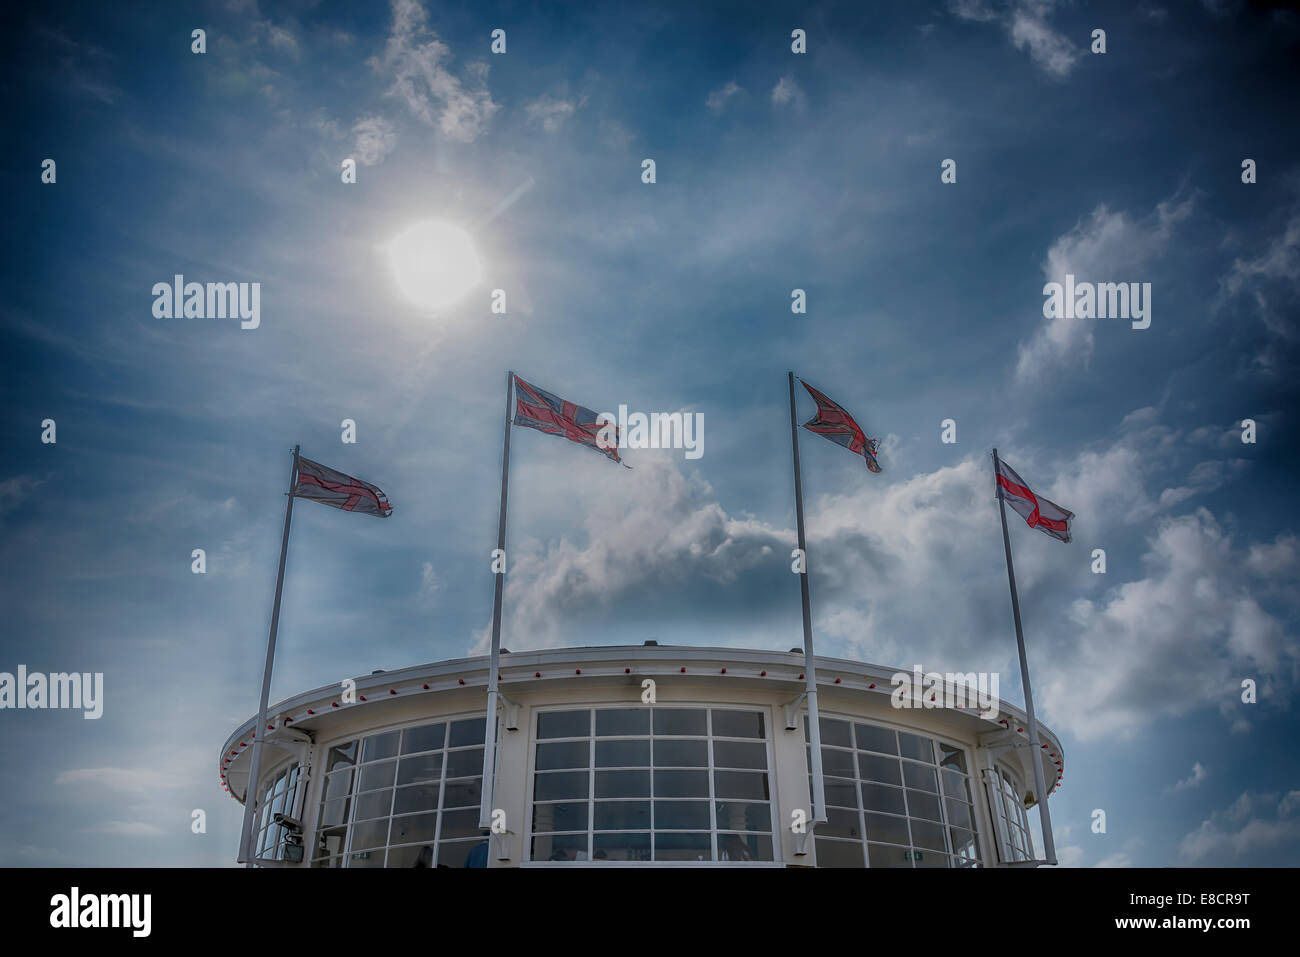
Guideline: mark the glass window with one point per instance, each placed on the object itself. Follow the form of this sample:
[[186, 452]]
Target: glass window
[[403, 798], [656, 784], [280, 795], [1008, 806], [894, 799]]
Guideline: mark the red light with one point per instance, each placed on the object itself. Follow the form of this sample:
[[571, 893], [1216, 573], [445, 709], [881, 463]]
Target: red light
[[426, 686], [460, 681], [361, 697], [334, 704], [683, 669], [392, 691], [801, 677], [1021, 730], [537, 674], [873, 684], [309, 711], [837, 680], [724, 671], [762, 674], [577, 671], [627, 671]]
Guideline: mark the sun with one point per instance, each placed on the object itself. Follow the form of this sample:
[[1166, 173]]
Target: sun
[[435, 263]]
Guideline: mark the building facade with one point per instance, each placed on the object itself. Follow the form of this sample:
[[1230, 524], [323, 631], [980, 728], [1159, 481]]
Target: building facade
[[649, 755]]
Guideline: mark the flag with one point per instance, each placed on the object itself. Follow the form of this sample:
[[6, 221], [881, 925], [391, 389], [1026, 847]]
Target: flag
[[538, 409], [833, 422], [324, 485], [1038, 512]]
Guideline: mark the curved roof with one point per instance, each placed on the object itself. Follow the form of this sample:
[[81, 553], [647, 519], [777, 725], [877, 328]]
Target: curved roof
[[318, 710]]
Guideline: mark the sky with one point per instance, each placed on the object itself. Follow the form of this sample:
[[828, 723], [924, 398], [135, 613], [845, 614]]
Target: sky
[[774, 171]]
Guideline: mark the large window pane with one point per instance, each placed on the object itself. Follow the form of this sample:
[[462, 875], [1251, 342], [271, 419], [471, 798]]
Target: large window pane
[[680, 721], [563, 754], [875, 738], [621, 754], [418, 797], [565, 784], [622, 721], [566, 816], [465, 732], [428, 737], [683, 847], [683, 815], [420, 770], [380, 746], [738, 724], [622, 784], [465, 763], [681, 754], [564, 724], [682, 784], [739, 754], [622, 815], [839, 853], [740, 816]]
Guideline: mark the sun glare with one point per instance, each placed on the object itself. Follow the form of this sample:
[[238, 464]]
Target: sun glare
[[435, 263]]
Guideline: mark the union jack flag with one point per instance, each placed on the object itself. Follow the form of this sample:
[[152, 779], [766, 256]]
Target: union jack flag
[[538, 409], [324, 485], [833, 422]]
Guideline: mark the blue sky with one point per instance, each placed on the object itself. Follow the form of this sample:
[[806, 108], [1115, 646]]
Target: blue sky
[[775, 171]]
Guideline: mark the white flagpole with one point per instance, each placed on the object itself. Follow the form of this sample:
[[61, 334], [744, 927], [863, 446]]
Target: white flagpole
[[1040, 789], [247, 852], [494, 659], [810, 662]]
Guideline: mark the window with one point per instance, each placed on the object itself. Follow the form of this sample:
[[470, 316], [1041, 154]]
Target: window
[[1015, 842], [403, 798], [651, 784], [280, 796], [893, 799]]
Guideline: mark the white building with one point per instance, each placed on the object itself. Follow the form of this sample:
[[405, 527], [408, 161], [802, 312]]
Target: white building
[[714, 772]]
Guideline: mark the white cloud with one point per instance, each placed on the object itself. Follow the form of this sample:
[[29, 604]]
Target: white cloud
[[550, 112], [1256, 828], [127, 829], [718, 99], [1198, 775], [1105, 247], [375, 139], [415, 58], [788, 93], [1174, 638], [142, 781], [1026, 25], [1271, 279]]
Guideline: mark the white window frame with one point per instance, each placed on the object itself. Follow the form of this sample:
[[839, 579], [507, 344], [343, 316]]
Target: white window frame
[[774, 834]]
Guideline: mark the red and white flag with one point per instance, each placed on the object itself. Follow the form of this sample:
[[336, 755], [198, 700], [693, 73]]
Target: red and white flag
[[323, 484], [1037, 511]]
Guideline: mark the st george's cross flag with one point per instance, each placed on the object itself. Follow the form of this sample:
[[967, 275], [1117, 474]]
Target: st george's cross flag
[[833, 422], [1037, 511], [324, 485], [538, 409]]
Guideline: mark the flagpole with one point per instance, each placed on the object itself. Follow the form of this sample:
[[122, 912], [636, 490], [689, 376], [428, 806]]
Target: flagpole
[[494, 659], [810, 662], [1040, 790], [246, 851]]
